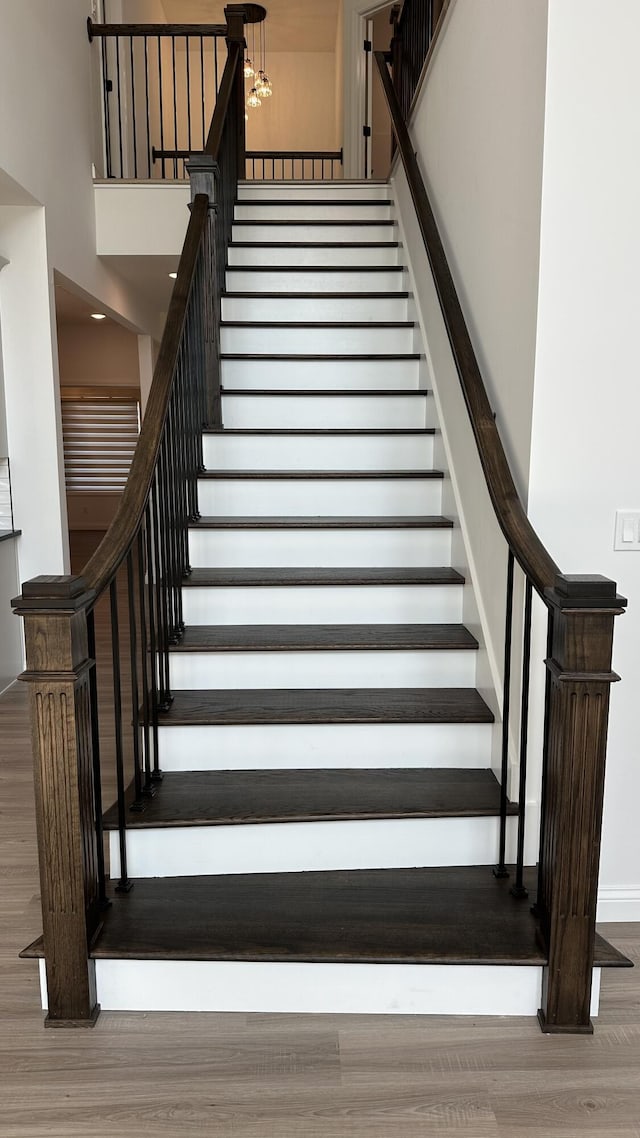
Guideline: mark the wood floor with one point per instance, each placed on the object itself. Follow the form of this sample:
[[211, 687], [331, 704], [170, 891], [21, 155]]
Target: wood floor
[[270, 1076]]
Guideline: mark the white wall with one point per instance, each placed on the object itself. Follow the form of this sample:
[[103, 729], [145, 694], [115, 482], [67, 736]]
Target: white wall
[[479, 129], [585, 459], [48, 140]]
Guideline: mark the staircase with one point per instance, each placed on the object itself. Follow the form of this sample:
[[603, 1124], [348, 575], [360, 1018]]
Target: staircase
[[325, 830]]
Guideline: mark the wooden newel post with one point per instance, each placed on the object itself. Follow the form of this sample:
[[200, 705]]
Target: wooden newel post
[[236, 15], [58, 673], [583, 611]]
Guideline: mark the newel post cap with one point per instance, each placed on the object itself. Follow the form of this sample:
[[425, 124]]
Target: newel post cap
[[53, 594], [585, 591]]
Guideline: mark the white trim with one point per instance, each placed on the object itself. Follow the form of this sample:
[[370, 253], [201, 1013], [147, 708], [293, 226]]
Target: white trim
[[619, 904], [294, 988], [354, 67]]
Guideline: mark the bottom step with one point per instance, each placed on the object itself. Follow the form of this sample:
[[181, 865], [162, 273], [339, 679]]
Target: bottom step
[[436, 941]]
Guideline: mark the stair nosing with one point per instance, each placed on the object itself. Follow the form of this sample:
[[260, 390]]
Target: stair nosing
[[203, 639], [249, 706], [319, 475], [376, 432], [329, 577], [329, 392], [231, 295], [334, 783], [352, 522], [317, 324]]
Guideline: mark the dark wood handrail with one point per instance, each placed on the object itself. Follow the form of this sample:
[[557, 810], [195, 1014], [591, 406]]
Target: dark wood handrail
[[520, 535], [173, 30], [105, 562], [329, 155], [225, 95]]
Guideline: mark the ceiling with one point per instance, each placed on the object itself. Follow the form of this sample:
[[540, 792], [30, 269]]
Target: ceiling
[[291, 25], [72, 309]]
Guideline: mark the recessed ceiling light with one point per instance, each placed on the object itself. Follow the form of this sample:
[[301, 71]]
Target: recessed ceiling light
[[173, 276], [98, 316]]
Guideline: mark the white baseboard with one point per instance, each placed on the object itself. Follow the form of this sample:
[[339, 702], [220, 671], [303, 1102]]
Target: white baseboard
[[619, 904]]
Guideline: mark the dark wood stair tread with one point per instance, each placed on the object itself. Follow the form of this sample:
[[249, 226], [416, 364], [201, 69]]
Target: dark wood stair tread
[[320, 475], [326, 637], [312, 203], [232, 294], [328, 431], [194, 707], [317, 324], [310, 245], [324, 358], [273, 221], [227, 798], [321, 576], [394, 521], [331, 392], [177, 918]]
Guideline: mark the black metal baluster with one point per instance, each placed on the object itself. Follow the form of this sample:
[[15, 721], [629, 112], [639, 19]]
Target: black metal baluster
[[188, 63], [518, 888], [177, 509], [501, 868], [119, 107], [124, 884], [147, 789], [161, 570], [95, 747], [545, 753], [104, 47], [168, 526], [175, 104], [133, 108], [215, 70], [202, 90], [146, 95], [135, 697], [154, 652], [162, 174]]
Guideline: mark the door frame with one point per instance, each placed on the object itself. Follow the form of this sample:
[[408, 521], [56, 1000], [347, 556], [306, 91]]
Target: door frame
[[355, 14]]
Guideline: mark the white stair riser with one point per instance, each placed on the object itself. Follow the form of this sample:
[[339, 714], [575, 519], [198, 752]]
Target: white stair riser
[[311, 211], [334, 497], [346, 375], [327, 604], [305, 340], [324, 280], [323, 548], [310, 233], [318, 452], [285, 412], [314, 254], [294, 988], [284, 308], [327, 746], [310, 846], [219, 670], [252, 191]]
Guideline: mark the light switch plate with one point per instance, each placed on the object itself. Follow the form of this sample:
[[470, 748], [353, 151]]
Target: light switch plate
[[627, 533]]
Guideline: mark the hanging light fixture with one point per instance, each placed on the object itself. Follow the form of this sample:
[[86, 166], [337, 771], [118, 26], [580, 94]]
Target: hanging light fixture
[[263, 83], [253, 98]]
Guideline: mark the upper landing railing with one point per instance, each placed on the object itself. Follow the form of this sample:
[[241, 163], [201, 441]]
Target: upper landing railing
[[160, 84]]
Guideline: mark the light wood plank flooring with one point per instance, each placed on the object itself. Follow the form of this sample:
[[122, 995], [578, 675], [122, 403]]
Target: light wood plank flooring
[[267, 1076]]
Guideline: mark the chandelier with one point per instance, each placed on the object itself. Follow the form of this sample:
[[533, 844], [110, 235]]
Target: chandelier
[[255, 69]]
